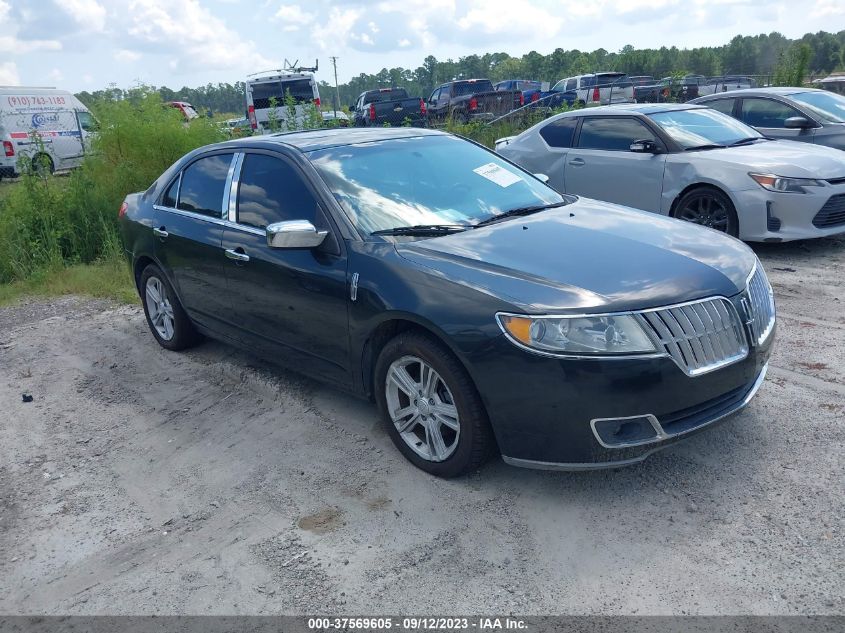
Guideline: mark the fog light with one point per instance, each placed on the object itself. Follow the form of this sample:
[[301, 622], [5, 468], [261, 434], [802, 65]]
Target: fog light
[[630, 431]]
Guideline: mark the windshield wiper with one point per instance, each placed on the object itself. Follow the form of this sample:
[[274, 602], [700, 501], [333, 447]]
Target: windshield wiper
[[749, 139], [422, 229], [520, 211], [706, 146]]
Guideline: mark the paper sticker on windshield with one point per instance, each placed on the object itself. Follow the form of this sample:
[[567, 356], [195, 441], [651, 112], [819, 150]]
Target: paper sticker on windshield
[[499, 175]]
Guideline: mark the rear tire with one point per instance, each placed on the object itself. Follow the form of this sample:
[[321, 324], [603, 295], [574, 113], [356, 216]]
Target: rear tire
[[430, 406], [166, 318], [710, 207]]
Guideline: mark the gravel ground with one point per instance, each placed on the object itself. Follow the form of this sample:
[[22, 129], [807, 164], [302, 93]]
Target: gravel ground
[[139, 481]]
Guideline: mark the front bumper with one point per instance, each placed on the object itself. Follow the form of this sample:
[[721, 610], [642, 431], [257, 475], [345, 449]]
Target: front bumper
[[551, 416], [664, 436], [766, 216]]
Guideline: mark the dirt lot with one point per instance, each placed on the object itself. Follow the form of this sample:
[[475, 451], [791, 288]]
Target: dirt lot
[[142, 481]]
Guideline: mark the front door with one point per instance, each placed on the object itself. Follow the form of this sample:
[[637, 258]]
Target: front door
[[290, 304], [188, 229], [602, 166], [769, 117]]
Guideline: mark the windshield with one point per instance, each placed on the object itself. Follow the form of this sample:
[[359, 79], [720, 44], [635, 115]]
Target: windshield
[[299, 89], [461, 88], [827, 105], [691, 128], [425, 180], [189, 111]]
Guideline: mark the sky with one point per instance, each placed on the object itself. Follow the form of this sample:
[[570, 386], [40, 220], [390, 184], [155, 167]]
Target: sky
[[89, 44]]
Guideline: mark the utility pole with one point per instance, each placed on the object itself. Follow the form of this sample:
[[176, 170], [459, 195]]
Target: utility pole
[[336, 89]]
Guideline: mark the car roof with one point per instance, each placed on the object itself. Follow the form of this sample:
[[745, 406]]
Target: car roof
[[628, 108], [309, 140], [758, 92]]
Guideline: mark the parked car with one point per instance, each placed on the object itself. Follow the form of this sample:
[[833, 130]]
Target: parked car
[[795, 114], [266, 89], [723, 84], [471, 99], [595, 89], [646, 89], [533, 94], [681, 89], [391, 106], [692, 163], [62, 124], [187, 111], [477, 306], [335, 118]]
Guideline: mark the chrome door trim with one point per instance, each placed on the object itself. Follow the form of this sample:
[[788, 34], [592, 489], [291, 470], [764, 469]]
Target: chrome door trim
[[230, 206]]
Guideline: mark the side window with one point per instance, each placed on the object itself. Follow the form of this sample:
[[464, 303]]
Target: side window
[[766, 112], [559, 133], [271, 190], [571, 84], [86, 121], [434, 96], [444, 93], [202, 185], [725, 106], [612, 133], [169, 197]]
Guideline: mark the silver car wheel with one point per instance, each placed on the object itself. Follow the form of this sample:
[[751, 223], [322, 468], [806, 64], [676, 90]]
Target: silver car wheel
[[422, 408], [160, 308]]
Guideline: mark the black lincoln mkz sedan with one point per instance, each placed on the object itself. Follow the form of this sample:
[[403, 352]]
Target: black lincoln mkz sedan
[[482, 310]]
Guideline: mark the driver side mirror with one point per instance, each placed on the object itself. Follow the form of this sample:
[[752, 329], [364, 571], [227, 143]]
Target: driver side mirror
[[798, 122], [294, 234], [644, 147]]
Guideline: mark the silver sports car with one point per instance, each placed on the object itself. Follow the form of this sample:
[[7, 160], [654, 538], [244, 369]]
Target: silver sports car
[[692, 163]]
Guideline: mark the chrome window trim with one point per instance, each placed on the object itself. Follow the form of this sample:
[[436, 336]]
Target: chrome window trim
[[225, 208], [212, 220], [231, 208]]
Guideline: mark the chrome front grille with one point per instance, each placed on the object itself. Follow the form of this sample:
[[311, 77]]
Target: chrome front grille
[[699, 336], [760, 304]]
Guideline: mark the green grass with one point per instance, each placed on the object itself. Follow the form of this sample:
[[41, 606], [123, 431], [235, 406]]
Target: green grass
[[105, 279]]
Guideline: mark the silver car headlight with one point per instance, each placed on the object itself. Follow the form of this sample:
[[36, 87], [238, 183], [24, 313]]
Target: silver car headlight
[[781, 184], [587, 335]]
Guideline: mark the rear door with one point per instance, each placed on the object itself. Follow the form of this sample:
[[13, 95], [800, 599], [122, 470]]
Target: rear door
[[291, 303], [558, 136], [768, 116], [188, 229], [602, 166]]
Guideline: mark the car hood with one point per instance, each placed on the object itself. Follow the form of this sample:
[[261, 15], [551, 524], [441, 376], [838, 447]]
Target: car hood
[[781, 158], [588, 255]]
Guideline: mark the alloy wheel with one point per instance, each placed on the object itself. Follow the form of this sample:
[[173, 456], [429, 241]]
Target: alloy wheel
[[422, 408], [160, 309], [707, 211]]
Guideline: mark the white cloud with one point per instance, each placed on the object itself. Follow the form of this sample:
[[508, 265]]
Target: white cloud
[[199, 39], [125, 55], [55, 75], [89, 14], [827, 8], [13, 46], [9, 74], [293, 15]]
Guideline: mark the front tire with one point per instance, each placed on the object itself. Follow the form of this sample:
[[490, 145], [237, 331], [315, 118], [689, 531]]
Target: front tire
[[708, 207], [430, 407], [166, 318]]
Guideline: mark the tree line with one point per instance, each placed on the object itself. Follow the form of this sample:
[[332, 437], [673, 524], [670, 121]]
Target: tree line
[[773, 57]]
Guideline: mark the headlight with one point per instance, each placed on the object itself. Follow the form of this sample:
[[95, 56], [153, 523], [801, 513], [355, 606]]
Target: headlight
[[785, 185], [612, 334]]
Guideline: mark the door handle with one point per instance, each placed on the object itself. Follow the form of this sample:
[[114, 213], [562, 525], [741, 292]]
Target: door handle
[[160, 232], [237, 254], [577, 162]]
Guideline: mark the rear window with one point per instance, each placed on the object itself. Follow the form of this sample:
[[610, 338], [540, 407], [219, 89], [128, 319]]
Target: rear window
[[386, 95], [605, 79], [559, 133], [471, 87], [299, 89]]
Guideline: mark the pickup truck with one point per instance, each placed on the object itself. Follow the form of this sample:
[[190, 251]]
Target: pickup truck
[[646, 89], [391, 106], [471, 99], [533, 94]]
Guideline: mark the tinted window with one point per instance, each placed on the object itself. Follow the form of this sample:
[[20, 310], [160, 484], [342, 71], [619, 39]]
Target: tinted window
[[299, 89], [766, 112], [571, 84], [616, 133], [271, 191], [203, 183], [471, 87], [725, 106], [169, 197], [559, 133]]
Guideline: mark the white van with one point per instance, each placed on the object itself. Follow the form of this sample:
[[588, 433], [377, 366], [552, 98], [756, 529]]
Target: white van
[[263, 87], [62, 122]]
